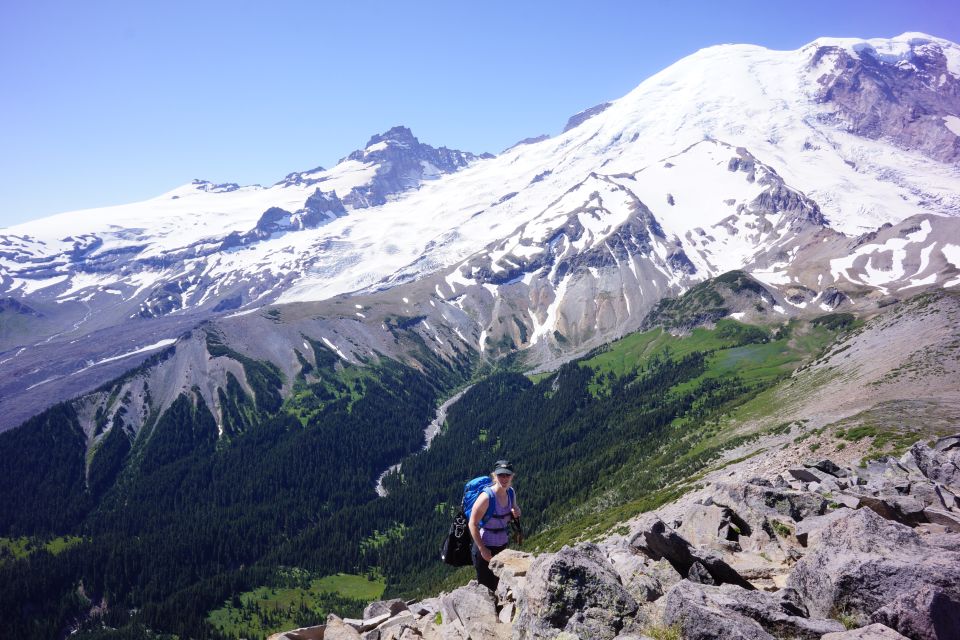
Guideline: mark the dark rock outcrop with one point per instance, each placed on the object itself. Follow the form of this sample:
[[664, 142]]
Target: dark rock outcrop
[[579, 118], [903, 100], [403, 162], [660, 541]]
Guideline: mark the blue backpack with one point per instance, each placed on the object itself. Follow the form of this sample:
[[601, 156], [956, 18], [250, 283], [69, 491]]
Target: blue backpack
[[472, 491]]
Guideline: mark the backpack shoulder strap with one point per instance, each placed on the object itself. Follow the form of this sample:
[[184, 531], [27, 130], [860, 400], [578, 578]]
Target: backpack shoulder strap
[[491, 504]]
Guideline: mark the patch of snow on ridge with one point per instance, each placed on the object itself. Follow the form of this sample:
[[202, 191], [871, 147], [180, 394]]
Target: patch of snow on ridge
[[953, 124], [916, 282], [925, 257], [952, 253], [334, 347], [550, 323], [151, 347], [772, 276]]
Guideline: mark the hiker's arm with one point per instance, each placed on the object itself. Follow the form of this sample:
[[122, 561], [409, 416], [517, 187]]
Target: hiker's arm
[[516, 506], [479, 508]]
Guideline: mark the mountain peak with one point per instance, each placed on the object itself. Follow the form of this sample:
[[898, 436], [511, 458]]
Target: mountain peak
[[399, 134]]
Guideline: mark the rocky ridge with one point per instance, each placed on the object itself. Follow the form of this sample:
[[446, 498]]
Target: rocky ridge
[[824, 549]]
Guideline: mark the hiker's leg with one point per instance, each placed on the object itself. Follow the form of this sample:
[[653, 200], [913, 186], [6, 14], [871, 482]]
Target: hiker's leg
[[484, 575]]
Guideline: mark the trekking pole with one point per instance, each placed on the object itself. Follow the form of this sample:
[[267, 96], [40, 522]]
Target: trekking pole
[[517, 530]]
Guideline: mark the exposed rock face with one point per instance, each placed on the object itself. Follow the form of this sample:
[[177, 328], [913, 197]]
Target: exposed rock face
[[12, 305], [318, 209], [903, 99], [579, 118], [403, 163]]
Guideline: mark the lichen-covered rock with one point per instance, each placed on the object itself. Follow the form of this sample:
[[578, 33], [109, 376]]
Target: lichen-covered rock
[[575, 591], [772, 501], [469, 612], [687, 605], [870, 632], [807, 531], [864, 562], [778, 614], [928, 614], [939, 466], [639, 576]]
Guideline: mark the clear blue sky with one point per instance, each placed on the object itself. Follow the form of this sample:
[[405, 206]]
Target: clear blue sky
[[106, 102]]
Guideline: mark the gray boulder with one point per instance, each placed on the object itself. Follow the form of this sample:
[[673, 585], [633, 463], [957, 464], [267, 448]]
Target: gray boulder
[[714, 526], [391, 607], [773, 501], [803, 475], [864, 562], [699, 574], [687, 606], [639, 576], [304, 633], [469, 612], [928, 614], [947, 519], [728, 611], [337, 629], [829, 466], [660, 541], [948, 443], [871, 632], [903, 509], [574, 591], [807, 531], [942, 467]]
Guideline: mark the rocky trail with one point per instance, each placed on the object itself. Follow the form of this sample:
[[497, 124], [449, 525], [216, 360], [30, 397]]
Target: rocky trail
[[826, 550]]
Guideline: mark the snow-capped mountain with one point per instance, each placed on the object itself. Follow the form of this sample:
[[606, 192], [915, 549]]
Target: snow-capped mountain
[[830, 173]]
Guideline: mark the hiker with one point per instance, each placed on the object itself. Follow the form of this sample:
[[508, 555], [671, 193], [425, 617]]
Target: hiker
[[493, 537]]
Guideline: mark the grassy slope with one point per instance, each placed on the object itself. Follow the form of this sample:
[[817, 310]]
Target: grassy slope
[[22, 547], [269, 609]]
